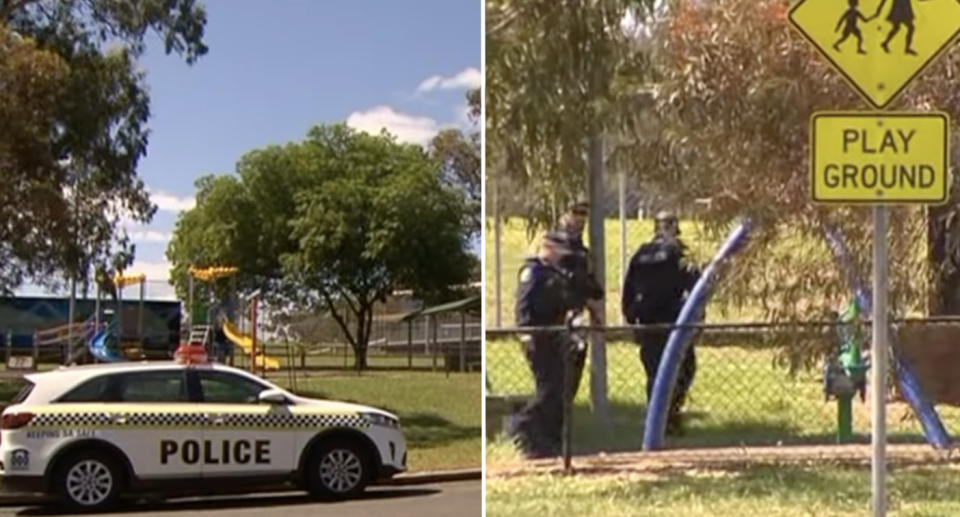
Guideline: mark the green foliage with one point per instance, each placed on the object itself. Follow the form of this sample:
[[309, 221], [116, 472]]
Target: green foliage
[[459, 158], [69, 165], [556, 75], [737, 91], [334, 223]]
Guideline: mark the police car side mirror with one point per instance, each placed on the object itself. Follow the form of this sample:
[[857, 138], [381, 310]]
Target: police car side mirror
[[272, 396]]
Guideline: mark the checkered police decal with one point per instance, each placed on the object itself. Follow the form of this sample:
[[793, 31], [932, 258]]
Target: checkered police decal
[[288, 421], [70, 420], [213, 419]]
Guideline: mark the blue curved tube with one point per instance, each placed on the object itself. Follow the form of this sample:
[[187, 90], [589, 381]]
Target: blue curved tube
[[679, 341], [933, 428], [99, 348]]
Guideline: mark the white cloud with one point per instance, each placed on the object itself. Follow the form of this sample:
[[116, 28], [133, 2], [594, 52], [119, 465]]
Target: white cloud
[[168, 202], [150, 236], [155, 270], [466, 78], [407, 128]]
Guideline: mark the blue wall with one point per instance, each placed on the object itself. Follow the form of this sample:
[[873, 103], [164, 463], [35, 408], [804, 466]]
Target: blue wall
[[22, 316]]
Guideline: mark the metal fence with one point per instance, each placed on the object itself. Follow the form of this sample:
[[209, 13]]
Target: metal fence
[[748, 390], [446, 342]]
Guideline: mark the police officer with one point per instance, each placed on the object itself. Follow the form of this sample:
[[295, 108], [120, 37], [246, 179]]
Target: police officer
[[655, 288], [584, 288], [544, 299]]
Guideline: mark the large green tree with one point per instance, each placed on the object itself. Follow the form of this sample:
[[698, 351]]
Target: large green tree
[[74, 126], [331, 224]]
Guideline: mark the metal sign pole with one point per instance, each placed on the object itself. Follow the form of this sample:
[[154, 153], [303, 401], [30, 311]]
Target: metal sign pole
[[879, 361]]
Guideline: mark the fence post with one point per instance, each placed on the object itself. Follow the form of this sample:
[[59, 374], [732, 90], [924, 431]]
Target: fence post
[[410, 344], [598, 350], [36, 351], [623, 234], [433, 324], [497, 265], [463, 341]]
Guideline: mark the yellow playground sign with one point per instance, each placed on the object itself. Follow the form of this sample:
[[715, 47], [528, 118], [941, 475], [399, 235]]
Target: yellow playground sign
[[879, 158], [878, 45]]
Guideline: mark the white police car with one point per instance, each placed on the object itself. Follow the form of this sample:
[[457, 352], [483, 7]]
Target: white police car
[[88, 434]]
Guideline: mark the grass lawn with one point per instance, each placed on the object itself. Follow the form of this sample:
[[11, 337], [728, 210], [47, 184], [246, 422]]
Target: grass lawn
[[440, 415], [770, 491], [739, 397]]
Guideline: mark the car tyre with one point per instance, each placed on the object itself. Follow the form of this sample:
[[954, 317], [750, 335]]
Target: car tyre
[[88, 481], [338, 469]]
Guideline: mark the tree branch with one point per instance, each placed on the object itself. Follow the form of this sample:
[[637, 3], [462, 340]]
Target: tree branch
[[346, 296], [339, 319]]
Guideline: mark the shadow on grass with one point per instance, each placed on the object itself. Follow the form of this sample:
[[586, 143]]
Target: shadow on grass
[[701, 430], [425, 430], [627, 421]]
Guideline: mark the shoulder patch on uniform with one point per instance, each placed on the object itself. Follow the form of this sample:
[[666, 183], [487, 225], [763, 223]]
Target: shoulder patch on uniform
[[526, 275]]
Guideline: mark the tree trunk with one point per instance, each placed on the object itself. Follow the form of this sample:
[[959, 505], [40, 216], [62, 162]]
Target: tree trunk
[[364, 323]]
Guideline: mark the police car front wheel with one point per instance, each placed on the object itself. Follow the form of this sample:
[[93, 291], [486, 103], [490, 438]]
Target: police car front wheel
[[339, 469], [88, 481]]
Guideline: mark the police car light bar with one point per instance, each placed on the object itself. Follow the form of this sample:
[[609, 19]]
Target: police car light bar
[[191, 354]]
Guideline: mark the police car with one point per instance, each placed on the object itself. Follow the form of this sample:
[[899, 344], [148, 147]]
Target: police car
[[89, 434]]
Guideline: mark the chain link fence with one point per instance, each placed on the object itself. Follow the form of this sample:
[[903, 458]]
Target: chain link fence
[[759, 381], [400, 338], [746, 391]]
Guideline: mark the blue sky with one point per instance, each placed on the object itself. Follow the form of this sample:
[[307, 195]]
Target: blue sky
[[277, 68]]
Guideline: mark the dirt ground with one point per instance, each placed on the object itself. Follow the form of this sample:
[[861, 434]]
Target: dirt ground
[[725, 458]]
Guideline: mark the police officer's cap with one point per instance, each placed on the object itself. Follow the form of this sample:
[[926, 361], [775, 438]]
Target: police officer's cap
[[581, 206], [558, 240], [665, 215]]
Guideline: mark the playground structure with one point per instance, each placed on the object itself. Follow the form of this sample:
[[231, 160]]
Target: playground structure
[[845, 374], [39, 329], [681, 338], [203, 334], [122, 349]]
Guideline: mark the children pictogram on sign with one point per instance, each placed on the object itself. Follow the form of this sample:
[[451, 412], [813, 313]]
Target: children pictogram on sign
[[901, 13], [849, 22]]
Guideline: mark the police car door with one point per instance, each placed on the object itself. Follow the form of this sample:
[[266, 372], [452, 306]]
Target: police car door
[[245, 437], [151, 420]]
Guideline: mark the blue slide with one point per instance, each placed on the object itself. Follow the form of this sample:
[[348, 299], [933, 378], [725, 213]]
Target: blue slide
[[680, 338], [933, 428], [99, 348]]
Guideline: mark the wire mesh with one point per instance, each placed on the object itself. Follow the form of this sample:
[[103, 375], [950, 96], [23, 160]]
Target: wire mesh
[[747, 390]]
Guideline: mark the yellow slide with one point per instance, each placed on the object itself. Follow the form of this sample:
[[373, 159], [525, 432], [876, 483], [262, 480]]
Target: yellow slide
[[245, 342]]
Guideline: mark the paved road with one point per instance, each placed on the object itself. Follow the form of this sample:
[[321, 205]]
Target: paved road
[[437, 500]]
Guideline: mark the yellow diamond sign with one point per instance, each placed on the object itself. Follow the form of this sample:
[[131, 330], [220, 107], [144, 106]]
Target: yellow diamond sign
[[878, 45]]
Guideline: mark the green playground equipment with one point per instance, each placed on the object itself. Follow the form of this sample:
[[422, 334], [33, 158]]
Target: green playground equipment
[[845, 373]]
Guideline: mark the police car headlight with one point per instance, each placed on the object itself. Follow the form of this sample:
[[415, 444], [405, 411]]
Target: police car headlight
[[381, 420]]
